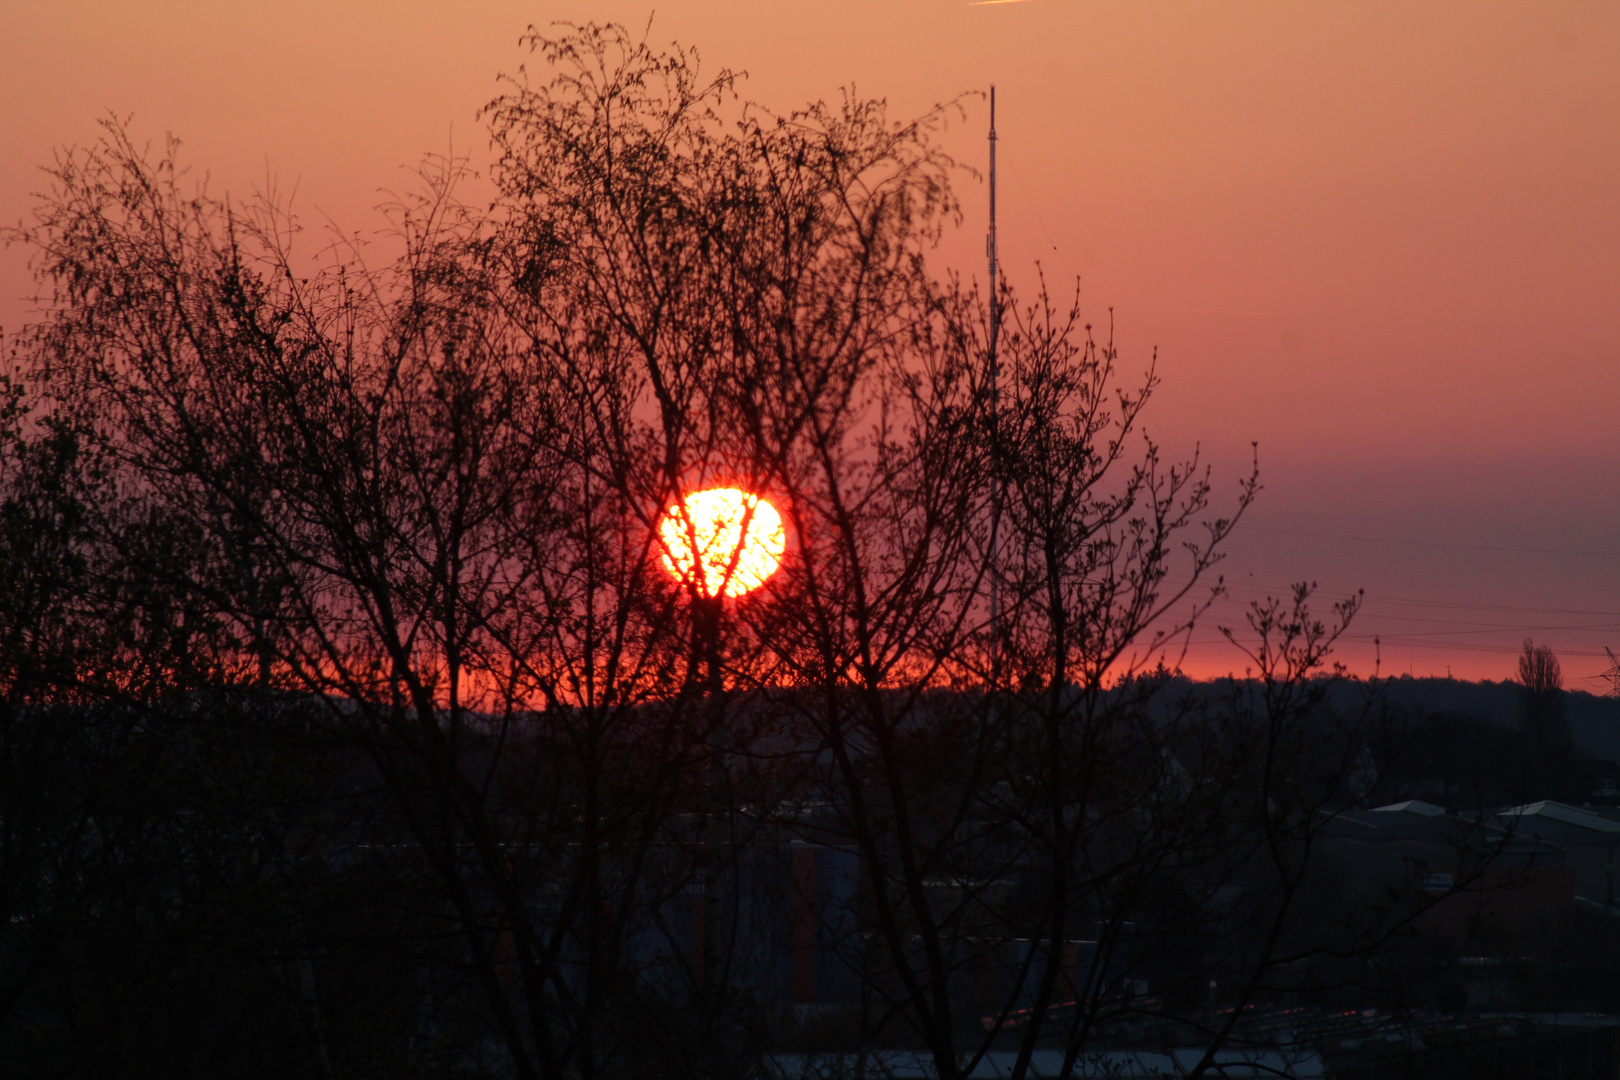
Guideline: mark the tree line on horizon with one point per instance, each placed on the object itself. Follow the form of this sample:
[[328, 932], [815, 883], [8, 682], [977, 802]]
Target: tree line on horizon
[[351, 725]]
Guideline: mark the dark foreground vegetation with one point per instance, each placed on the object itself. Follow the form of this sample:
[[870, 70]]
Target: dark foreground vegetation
[[352, 727]]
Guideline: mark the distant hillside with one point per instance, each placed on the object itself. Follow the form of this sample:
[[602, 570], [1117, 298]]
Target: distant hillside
[[1594, 721]]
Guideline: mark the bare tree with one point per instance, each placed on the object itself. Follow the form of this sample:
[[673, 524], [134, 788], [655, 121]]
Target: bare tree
[[421, 500], [1054, 797], [425, 494], [375, 471], [1541, 712]]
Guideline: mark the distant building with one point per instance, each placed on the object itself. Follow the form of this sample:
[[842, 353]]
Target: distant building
[[1587, 840], [1425, 853]]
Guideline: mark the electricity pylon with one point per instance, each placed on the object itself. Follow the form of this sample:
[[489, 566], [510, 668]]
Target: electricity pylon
[[1613, 674]]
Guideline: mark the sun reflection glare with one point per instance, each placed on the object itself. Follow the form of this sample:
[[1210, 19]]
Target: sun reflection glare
[[729, 540]]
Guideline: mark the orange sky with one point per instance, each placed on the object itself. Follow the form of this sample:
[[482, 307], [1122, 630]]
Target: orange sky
[[1380, 238]]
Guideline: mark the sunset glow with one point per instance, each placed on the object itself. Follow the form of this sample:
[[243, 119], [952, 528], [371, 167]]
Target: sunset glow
[[730, 540], [1343, 226]]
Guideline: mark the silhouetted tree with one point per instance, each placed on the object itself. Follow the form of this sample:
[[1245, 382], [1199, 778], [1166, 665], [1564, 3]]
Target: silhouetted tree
[[424, 495], [371, 589], [1541, 710]]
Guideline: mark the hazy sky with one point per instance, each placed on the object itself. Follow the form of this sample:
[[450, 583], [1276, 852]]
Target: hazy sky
[[1382, 239]]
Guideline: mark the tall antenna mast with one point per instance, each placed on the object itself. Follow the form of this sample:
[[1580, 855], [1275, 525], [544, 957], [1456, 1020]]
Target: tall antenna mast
[[990, 247], [995, 398]]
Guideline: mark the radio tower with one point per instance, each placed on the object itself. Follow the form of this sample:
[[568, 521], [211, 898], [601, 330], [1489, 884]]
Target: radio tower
[[995, 405]]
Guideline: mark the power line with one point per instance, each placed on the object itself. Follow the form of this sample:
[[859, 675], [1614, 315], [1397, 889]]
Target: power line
[[1447, 646], [1378, 602], [1436, 639], [1509, 630], [1433, 543], [1409, 601], [1485, 627]]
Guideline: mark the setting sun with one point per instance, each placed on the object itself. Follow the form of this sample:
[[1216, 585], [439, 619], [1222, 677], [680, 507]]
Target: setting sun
[[733, 539]]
